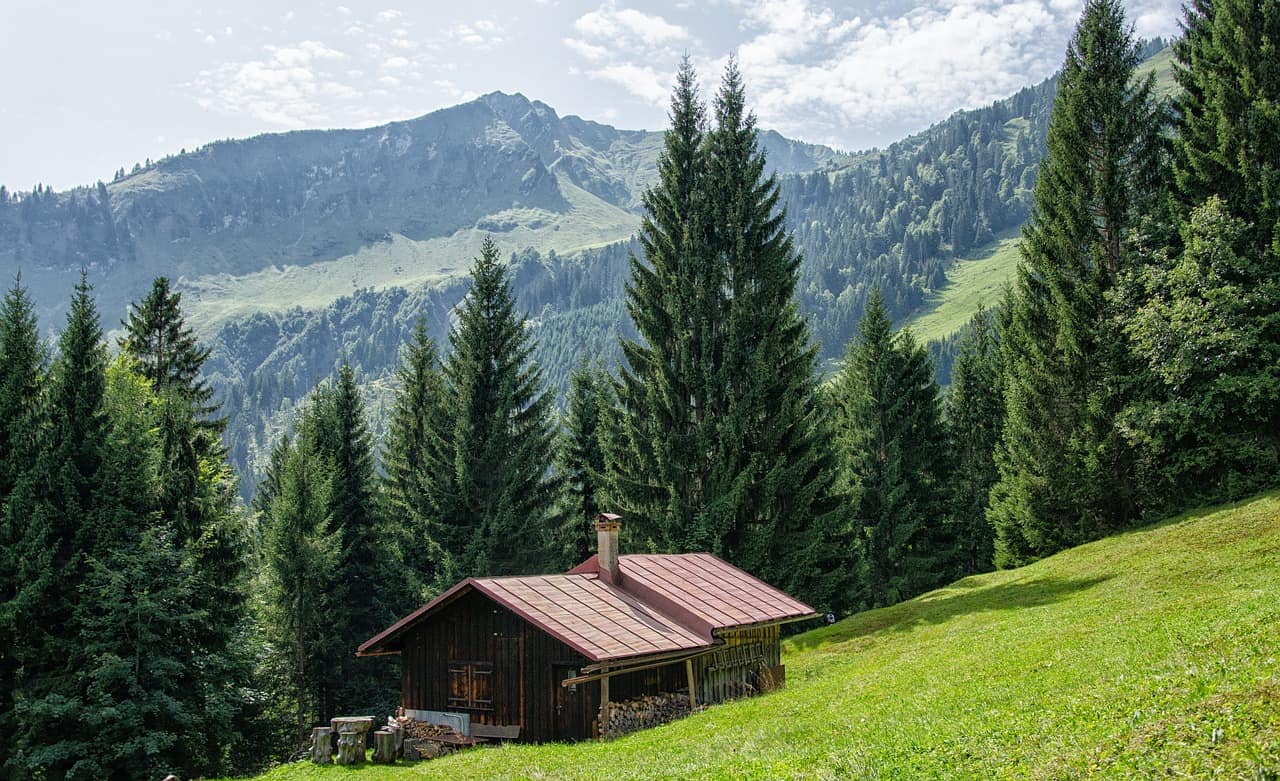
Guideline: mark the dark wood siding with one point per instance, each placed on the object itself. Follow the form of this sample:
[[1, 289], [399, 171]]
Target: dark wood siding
[[494, 654]]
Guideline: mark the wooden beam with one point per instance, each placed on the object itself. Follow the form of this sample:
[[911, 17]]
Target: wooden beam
[[604, 702], [607, 673], [688, 670]]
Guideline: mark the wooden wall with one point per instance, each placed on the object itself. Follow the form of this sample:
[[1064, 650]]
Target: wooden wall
[[523, 662]]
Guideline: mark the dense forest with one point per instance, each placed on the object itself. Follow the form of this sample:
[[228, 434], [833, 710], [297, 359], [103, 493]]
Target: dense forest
[[153, 623]]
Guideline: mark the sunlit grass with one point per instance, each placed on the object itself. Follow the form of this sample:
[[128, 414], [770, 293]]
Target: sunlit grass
[[976, 279]]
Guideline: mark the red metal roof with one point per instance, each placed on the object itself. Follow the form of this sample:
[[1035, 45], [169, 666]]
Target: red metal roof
[[663, 603]]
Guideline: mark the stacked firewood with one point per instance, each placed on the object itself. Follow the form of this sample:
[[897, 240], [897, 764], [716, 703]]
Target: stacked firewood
[[642, 713], [421, 738]]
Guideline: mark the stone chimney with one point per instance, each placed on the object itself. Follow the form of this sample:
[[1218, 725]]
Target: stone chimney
[[607, 527]]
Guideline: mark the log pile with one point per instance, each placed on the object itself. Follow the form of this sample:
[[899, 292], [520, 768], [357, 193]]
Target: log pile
[[642, 713], [425, 730], [421, 739]]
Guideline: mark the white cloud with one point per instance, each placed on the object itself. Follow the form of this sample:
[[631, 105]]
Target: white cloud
[[588, 50], [389, 15], [807, 68], [643, 81], [290, 88], [609, 23], [342, 9], [480, 34], [395, 63], [632, 49]]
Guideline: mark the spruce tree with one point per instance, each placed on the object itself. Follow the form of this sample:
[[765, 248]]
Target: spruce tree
[[301, 548], [496, 497], [1215, 419], [418, 427], [661, 445], [22, 368], [1228, 65], [1066, 474], [367, 588], [895, 450], [167, 350], [581, 463], [52, 551], [780, 476], [722, 443], [138, 703], [975, 417], [197, 499]]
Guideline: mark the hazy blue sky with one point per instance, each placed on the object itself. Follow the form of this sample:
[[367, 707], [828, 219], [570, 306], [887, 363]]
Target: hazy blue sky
[[93, 85]]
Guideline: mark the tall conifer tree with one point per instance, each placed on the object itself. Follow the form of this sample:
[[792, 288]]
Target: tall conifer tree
[[1066, 474], [722, 445], [418, 428], [197, 495], [52, 554], [1208, 318], [22, 368], [975, 418], [661, 447], [581, 463], [367, 585], [300, 551], [496, 499], [895, 448]]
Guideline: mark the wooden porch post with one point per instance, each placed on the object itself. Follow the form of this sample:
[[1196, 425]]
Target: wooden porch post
[[688, 670]]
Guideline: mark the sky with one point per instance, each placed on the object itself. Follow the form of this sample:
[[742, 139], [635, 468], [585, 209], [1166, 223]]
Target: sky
[[90, 86]]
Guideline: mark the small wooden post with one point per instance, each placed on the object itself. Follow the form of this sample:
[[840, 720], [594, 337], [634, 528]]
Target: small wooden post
[[688, 671], [384, 747], [604, 703], [321, 745]]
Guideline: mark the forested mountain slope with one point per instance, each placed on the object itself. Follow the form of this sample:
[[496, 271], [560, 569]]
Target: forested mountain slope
[[296, 250], [301, 218]]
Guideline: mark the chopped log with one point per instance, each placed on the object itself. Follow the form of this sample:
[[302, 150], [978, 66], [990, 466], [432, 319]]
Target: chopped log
[[321, 745], [384, 747]]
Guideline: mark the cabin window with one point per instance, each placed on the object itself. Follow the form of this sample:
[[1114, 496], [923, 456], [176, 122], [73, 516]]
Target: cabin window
[[471, 685]]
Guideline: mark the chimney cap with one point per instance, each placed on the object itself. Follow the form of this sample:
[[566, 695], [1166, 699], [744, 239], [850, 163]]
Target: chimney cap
[[608, 522]]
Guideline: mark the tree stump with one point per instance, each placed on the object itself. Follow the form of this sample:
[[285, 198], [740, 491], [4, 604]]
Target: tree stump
[[321, 745], [384, 747], [350, 744], [354, 731]]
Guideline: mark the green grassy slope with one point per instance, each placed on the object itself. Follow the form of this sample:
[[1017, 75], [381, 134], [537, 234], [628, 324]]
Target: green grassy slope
[[1155, 653], [976, 279]]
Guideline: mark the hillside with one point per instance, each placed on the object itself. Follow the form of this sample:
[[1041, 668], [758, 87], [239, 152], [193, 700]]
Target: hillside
[[1149, 654]]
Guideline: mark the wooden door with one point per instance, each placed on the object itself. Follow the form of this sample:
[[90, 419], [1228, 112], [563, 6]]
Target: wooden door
[[570, 720]]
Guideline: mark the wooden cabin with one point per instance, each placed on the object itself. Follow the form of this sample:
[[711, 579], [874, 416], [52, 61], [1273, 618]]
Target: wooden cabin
[[542, 657]]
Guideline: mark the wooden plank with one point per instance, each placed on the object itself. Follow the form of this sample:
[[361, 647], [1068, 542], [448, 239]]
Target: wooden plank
[[500, 731]]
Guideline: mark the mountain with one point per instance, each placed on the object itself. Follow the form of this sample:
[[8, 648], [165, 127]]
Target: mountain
[[302, 218]]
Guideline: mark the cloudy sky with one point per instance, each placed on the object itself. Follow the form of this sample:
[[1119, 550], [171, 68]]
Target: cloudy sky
[[93, 85]]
